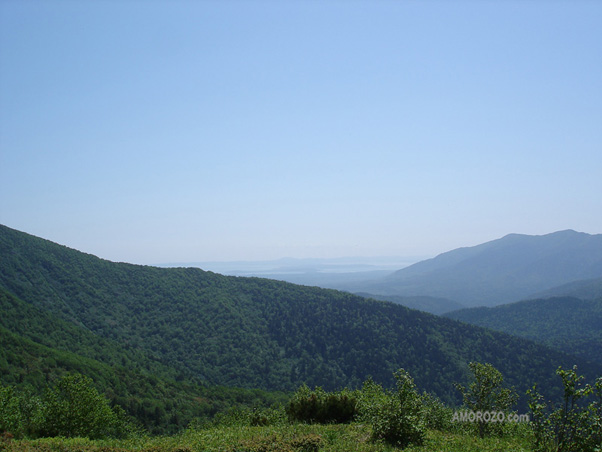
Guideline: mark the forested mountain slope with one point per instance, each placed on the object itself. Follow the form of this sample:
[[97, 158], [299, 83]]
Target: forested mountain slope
[[564, 323], [38, 348], [259, 333], [433, 305], [585, 289], [501, 271]]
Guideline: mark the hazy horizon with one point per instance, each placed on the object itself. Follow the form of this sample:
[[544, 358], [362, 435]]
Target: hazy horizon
[[157, 132]]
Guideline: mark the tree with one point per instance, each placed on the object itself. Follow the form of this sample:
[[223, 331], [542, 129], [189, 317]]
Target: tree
[[20, 412], [486, 394], [75, 408], [397, 417], [573, 426]]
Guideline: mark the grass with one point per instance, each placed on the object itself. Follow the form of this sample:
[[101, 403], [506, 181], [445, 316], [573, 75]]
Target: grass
[[282, 438]]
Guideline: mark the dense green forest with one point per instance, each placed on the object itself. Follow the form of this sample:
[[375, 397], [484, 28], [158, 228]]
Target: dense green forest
[[38, 349], [565, 323], [153, 338], [433, 305]]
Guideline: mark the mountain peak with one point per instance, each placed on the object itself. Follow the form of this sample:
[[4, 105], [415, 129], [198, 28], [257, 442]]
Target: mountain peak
[[500, 271]]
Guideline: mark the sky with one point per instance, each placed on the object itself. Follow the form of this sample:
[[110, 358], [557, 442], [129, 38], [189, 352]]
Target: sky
[[181, 131]]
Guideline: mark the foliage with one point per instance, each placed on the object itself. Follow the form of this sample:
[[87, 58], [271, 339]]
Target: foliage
[[486, 394], [331, 437], [572, 425], [280, 443], [75, 408], [147, 390], [370, 399], [568, 324], [20, 413], [437, 415], [321, 406], [261, 417], [244, 416], [397, 417]]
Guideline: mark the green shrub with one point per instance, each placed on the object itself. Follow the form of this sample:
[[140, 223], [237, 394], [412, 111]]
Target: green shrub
[[319, 406], [267, 416], [280, 443], [397, 417], [234, 416], [486, 394], [10, 411], [572, 426], [437, 416], [20, 412], [75, 408], [369, 400], [243, 416], [71, 408]]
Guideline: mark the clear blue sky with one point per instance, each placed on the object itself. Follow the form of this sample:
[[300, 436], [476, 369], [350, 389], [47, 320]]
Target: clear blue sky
[[175, 131]]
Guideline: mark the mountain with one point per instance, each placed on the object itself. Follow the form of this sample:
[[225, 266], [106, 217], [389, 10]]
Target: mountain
[[320, 272], [568, 324], [433, 305], [38, 348], [586, 289], [501, 271], [253, 332]]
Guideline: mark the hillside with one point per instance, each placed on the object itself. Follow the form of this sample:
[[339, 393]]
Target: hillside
[[587, 289], [259, 333], [568, 324], [38, 348], [501, 271], [433, 305]]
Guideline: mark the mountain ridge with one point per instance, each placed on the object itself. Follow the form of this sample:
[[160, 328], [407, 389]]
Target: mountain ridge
[[568, 324], [499, 271]]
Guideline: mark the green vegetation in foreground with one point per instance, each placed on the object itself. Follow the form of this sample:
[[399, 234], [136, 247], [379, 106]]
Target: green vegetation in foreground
[[383, 420], [280, 438]]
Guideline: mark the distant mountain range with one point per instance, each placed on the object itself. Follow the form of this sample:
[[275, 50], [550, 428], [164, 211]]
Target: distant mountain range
[[501, 271], [586, 289], [175, 327], [319, 272]]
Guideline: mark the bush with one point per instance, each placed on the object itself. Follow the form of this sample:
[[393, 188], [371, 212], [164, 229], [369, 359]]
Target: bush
[[437, 416], [71, 408], [244, 416], [267, 416], [487, 394], [319, 406], [75, 408], [233, 416], [20, 413], [573, 426], [281, 443], [10, 411], [398, 417]]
